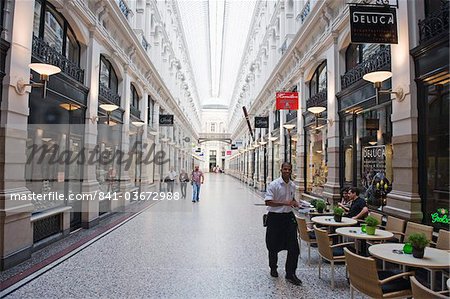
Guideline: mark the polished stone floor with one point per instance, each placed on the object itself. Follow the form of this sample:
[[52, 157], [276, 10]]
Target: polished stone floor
[[179, 249]]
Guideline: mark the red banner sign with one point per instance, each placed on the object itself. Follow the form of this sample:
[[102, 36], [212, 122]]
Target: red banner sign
[[287, 101], [228, 153]]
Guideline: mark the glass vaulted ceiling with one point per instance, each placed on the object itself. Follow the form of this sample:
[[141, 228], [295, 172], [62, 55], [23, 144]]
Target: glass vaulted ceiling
[[216, 33]]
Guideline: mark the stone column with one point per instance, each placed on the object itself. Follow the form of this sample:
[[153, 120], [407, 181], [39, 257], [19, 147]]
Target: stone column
[[300, 150], [404, 200], [90, 185], [145, 141], [16, 238], [125, 182], [332, 186]]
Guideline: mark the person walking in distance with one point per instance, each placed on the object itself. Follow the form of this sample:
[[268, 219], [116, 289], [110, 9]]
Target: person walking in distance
[[281, 231], [184, 178], [197, 180]]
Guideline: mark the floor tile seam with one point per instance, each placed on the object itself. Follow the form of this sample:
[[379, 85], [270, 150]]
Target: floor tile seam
[[64, 254]]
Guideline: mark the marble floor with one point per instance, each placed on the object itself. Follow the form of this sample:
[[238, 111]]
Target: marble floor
[[179, 249]]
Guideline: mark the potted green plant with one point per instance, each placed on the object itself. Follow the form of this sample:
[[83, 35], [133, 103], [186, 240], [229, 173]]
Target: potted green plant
[[313, 202], [418, 242], [320, 206], [338, 212], [371, 225]]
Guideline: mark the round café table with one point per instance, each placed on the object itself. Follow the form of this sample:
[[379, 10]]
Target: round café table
[[329, 221], [432, 259], [357, 234]]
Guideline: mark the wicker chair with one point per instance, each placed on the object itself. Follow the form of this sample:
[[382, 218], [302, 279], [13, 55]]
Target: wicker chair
[[306, 235], [412, 227], [377, 216], [420, 291], [396, 226], [443, 240], [331, 253], [365, 278]]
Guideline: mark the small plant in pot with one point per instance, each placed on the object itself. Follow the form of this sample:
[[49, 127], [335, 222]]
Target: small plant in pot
[[320, 205], [418, 242], [371, 225], [338, 212]]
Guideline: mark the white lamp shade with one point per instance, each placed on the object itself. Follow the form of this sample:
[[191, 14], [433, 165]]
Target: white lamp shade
[[316, 109], [108, 107], [379, 76], [138, 123], [273, 138], [288, 126], [44, 68]]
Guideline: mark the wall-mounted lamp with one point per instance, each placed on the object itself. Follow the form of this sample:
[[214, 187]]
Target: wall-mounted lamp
[[109, 108], [165, 139], [377, 78], [45, 71], [317, 109], [138, 124], [273, 138], [69, 106], [289, 127], [262, 142]]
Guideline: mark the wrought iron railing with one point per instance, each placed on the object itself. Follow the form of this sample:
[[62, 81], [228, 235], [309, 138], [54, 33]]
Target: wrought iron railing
[[434, 24], [135, 111], [305, 11], [292, 114], [380, 60], [109, 95], [145, 44], [319, 99], [45, 53], [124, 8]]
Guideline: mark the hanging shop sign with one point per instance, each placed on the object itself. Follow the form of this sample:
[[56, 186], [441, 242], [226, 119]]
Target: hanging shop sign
[[166, 119], [228, 153], [234, 147], [287, 101], [373, 24], [262, 122]]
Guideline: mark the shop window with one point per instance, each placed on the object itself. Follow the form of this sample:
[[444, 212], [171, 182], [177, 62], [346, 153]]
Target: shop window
[[151, 110], [316, 164], [50, 26], [213, 127]]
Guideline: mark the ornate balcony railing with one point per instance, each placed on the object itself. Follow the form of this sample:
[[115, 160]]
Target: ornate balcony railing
[[124, 8], [135, 111], [109, 95], [45, 53], [319, 99], [305, 11], [434, 24], [380, 60], [145, 44]]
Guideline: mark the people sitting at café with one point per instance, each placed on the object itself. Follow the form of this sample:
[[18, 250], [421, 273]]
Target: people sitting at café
[[358, 208], [345, 201]]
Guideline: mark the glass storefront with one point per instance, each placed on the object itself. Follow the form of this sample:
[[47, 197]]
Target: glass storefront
[[316, 163], [367, 152]]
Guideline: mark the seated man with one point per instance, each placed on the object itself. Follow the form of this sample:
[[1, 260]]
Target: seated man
[[358, 208]]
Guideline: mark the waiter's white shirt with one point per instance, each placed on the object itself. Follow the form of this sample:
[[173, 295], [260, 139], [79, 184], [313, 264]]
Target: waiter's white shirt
[[279, 190]]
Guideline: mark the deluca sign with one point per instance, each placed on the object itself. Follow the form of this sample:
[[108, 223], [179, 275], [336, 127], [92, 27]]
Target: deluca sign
[[371, 24]]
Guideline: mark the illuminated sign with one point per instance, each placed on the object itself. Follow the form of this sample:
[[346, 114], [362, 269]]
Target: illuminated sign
[[441, 216]]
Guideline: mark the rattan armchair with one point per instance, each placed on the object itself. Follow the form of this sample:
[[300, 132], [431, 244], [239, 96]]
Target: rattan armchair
[[331, 253], [420, 291], [365, 278], [306, 235]]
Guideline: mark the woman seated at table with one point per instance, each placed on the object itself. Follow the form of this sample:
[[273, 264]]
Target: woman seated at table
[[358, 208], [345, 201]]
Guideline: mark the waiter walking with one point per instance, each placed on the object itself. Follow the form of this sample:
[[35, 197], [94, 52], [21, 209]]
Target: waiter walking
[[281, 231]]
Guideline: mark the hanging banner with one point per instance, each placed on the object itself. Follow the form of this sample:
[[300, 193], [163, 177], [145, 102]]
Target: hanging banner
[[287, 101], [166, 119], [261, 122], [372, 24]]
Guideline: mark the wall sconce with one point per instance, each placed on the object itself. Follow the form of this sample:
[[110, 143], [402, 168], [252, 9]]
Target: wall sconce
[[164, 139], [154, 133], [109, 108], [377, 78], [262, 142], [138, 124], [320, 126], [69, 106], [316, 109], [44, 70]]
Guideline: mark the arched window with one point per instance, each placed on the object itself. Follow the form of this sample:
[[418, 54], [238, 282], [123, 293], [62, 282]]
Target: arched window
[[357, 53], [134, 101], [108, 76], [318, 82], [52, 28]]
